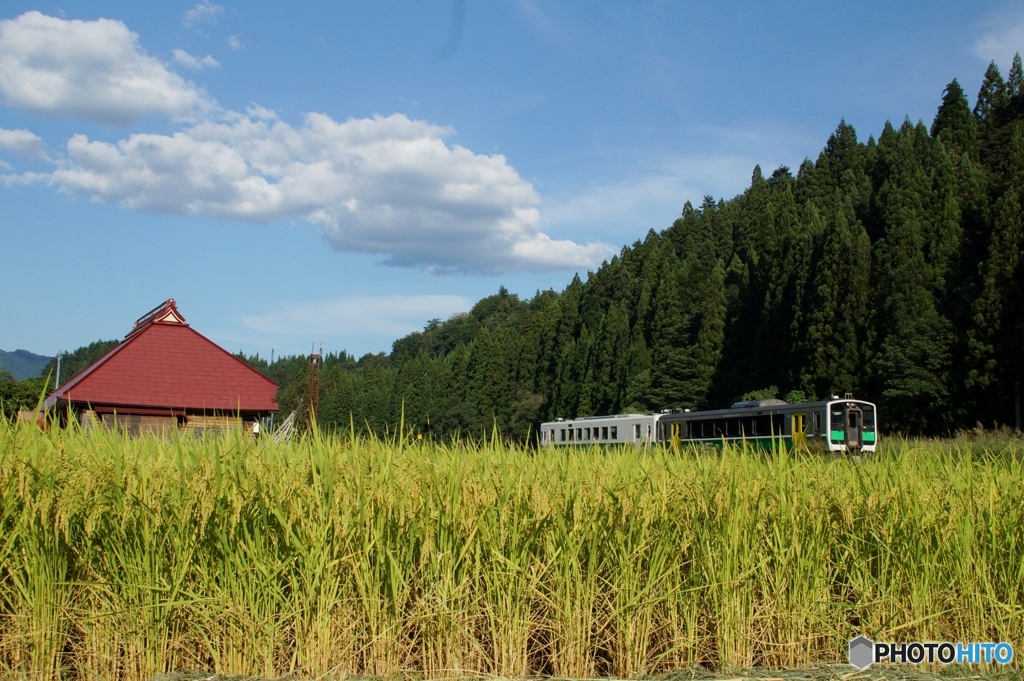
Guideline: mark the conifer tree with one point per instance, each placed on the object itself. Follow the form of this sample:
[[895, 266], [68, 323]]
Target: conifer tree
[[992, 97], [838, 306], [997, 337], [954, 125], [914, 358]]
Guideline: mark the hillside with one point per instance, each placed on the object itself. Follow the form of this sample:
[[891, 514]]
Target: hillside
[[22, 364]]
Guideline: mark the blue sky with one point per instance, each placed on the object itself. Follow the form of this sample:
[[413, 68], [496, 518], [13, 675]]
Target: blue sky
[[342, 172]]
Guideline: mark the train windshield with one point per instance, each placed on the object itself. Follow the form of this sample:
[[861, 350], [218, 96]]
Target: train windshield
[[869, 416]]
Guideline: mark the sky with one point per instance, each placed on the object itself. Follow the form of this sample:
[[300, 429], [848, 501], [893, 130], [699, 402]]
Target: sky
[[340, 173]]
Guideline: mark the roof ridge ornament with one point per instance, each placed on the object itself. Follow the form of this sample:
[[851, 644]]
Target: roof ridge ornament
[[165, 313]]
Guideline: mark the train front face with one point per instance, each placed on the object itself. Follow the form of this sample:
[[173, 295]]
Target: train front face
[[852, 426]]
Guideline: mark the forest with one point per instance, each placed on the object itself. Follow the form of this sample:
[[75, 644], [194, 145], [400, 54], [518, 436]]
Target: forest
[[889, 268]]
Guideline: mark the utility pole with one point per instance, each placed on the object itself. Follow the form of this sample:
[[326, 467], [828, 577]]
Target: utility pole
[[315, 360], [57, 380]]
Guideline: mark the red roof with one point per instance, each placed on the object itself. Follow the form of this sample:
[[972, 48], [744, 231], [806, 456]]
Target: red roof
[[165, 364]]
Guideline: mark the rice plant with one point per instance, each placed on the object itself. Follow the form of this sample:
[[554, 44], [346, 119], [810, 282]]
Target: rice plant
[[125, 558]]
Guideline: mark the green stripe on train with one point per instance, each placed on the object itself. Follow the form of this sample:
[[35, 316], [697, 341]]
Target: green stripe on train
[[837, 436]]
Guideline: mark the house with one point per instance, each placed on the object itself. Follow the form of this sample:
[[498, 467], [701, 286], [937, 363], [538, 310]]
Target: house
[[165, 375]]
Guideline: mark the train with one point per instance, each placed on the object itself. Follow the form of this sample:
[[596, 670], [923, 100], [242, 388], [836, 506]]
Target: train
[[837, 424]]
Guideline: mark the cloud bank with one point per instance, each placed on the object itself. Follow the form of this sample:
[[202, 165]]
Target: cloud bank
[[386, 185]]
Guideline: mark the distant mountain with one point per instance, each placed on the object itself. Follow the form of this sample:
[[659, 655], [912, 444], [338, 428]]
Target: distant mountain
[[23, 364]]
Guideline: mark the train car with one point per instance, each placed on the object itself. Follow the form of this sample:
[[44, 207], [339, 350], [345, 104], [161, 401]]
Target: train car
[[836, 425], [635, 429]]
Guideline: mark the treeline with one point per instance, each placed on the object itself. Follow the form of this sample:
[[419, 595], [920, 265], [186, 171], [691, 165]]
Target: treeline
[[889, 268]]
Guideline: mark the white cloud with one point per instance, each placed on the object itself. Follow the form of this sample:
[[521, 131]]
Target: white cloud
[[203, 13], [235, 43], [1004, 37], [386, 185], [386, 315], [88, 69], [24, 143], [187, 60], [24, 179], [389, 186]]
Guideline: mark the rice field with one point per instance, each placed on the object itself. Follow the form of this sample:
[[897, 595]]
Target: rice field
[[335, 557]]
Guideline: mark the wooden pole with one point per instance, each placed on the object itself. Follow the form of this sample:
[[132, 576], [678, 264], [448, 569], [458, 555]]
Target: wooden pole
[[314, 386]]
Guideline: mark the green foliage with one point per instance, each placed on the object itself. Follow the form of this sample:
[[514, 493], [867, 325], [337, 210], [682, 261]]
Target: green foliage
[[798, 396], [18, 395], [73, 362], [769, 393]]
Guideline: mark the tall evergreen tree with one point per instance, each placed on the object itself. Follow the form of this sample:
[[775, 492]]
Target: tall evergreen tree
[[992, 96], [914, 358], [838, 300], [954, 125], [997, 339]]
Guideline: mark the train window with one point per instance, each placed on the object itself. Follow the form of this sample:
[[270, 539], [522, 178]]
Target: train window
[[563, 434], [817, 423], [586, 433], [615, 432], [604, 432], [869, 417], [579, 433], [572, 433], [760, 426], [636, 431]]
